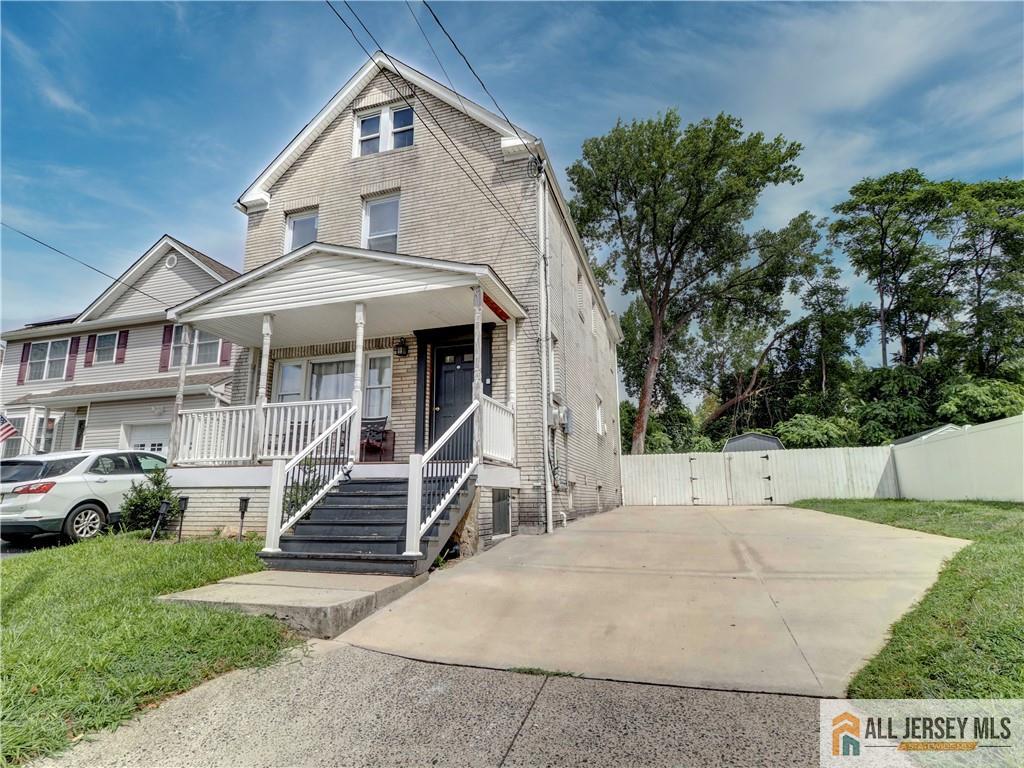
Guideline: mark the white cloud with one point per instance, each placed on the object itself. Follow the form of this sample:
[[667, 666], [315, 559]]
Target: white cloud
[[41, 77]]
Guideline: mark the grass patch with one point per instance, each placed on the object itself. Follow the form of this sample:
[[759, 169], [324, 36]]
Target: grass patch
[[965, 639], [542, 672], [85, 645]]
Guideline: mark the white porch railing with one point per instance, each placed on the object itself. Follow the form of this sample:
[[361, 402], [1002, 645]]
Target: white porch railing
[[499, 430], [216, 435], [297, 485], [437, 475], [228, 435]]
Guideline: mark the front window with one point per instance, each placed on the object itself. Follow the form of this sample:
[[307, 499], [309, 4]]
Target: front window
[[289, 382], [13, 444], [377, 398], [331, 380], [205, 348], [302, 230], [47, 360], [380, 225], [44, 433], [106, 345]]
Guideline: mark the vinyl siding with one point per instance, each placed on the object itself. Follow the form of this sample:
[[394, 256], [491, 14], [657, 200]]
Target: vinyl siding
[[106, 427], [141, 361], [169, 286]]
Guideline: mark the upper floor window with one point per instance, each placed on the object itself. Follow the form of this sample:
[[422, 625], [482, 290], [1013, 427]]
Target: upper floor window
[[390, 128], [301, 230], [205, 348], [47, 360], [599, 415], [579, 293], [106, 346], [380, 224]]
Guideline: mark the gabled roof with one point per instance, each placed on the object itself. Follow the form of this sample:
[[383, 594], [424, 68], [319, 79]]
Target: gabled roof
[[257, 196], [218, 271]]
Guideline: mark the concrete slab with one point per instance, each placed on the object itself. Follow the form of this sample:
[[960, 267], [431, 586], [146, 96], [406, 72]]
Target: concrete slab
[[756, 599], [343, 706], [313, 604]]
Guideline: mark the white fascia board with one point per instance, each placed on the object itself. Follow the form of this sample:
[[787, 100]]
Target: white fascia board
[[514, 148]]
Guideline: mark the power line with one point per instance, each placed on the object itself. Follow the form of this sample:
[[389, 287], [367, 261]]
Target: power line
[[87, 265], [495, 202], [479, 80]]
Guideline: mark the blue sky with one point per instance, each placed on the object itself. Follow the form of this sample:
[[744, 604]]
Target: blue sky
[[123, 121]]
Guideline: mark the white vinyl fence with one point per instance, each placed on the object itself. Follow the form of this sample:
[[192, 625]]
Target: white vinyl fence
[[982, 462]]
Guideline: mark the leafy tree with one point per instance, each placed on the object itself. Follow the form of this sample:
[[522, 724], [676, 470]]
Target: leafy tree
[[975, 401], [807, 431], [671, 205], [898, 401], [887, 228]]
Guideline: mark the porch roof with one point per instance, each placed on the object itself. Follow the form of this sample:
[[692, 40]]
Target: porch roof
[[311, 292]]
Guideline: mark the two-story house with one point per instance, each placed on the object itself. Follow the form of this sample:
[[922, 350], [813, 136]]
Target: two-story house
[[105, 377]]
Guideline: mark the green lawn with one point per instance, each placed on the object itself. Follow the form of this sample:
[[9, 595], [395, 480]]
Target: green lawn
[[85, 645], [965, 639]]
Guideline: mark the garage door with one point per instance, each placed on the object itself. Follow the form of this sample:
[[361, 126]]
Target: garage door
[[149, 437]]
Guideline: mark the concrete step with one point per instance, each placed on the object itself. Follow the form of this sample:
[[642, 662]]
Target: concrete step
[[396, 565]]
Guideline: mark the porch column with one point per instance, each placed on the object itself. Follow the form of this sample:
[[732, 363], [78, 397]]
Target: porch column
[[357, 384], [259, 423], [510, 373], [478, 385], [179, 395]]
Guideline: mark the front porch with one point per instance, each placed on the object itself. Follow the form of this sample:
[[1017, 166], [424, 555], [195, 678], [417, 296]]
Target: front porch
[[358, 358]]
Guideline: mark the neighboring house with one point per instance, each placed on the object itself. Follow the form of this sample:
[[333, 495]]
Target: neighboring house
[[105, 378], [390, 296]]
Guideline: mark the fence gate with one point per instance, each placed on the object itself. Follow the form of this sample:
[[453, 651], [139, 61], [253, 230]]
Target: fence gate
[[709, 478], [750, 477]]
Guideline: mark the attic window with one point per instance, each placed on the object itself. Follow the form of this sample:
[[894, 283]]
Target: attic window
[[390, 128]]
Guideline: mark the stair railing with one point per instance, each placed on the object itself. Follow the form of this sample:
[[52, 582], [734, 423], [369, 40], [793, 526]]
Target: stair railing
[[298, 484], [436, 476]]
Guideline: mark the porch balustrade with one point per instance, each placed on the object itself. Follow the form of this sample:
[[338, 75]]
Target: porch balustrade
[[499, 430], [233, 435]]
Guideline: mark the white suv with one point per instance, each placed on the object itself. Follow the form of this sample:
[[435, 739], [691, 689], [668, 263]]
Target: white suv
[[77, 493]]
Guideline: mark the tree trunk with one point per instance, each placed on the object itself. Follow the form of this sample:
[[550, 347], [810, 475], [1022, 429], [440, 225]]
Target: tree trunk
[[881, 325], [643, 410]]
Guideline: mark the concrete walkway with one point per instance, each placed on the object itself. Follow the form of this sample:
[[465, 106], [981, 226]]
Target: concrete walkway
[[342, 706], [753, 599]]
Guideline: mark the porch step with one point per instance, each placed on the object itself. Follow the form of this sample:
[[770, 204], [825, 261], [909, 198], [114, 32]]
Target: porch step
[[349, 543], [396, 565]]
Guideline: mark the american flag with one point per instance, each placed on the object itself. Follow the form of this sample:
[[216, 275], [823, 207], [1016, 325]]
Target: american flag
[[6, 429]]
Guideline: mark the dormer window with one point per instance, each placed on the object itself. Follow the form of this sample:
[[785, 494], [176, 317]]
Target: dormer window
[[390, 128], [301, 230]]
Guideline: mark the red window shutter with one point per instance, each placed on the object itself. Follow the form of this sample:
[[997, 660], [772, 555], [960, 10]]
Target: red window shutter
[[90, 350], [72, 358], [225, 353], [26, 350], [122, 345], [165, 349]]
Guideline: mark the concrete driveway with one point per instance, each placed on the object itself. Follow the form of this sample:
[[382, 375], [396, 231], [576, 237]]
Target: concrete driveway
[[772, 599]]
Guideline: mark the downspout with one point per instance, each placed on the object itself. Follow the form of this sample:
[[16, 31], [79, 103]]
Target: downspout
[[542, 265], [618, 415]]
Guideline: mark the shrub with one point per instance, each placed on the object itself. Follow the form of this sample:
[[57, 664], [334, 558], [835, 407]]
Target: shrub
[[141, 503], [807, 431]]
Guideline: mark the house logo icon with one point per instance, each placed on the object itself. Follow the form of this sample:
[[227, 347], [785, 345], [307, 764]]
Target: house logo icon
[[846, 735]]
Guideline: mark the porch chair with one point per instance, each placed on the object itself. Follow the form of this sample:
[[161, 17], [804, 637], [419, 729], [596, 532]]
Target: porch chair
[[376, 440]]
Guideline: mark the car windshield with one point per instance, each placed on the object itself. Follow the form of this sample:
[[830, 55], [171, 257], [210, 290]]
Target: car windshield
[[19, 470]]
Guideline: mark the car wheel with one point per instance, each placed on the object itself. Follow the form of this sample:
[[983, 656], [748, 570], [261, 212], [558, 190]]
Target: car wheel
[[85, 522]]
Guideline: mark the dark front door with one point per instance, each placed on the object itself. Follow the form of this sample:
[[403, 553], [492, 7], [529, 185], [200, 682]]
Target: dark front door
[[453, 390]]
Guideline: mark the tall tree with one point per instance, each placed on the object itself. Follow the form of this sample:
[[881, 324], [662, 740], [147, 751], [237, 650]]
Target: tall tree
[[887, 228], [671, 205]]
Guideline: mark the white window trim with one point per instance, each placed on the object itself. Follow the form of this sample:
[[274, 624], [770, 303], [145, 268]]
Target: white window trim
[[369, 201], [46, 360], [307, 371], [289, 223], [194, 344], [385, 131], [602, 427], [113, 357]]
